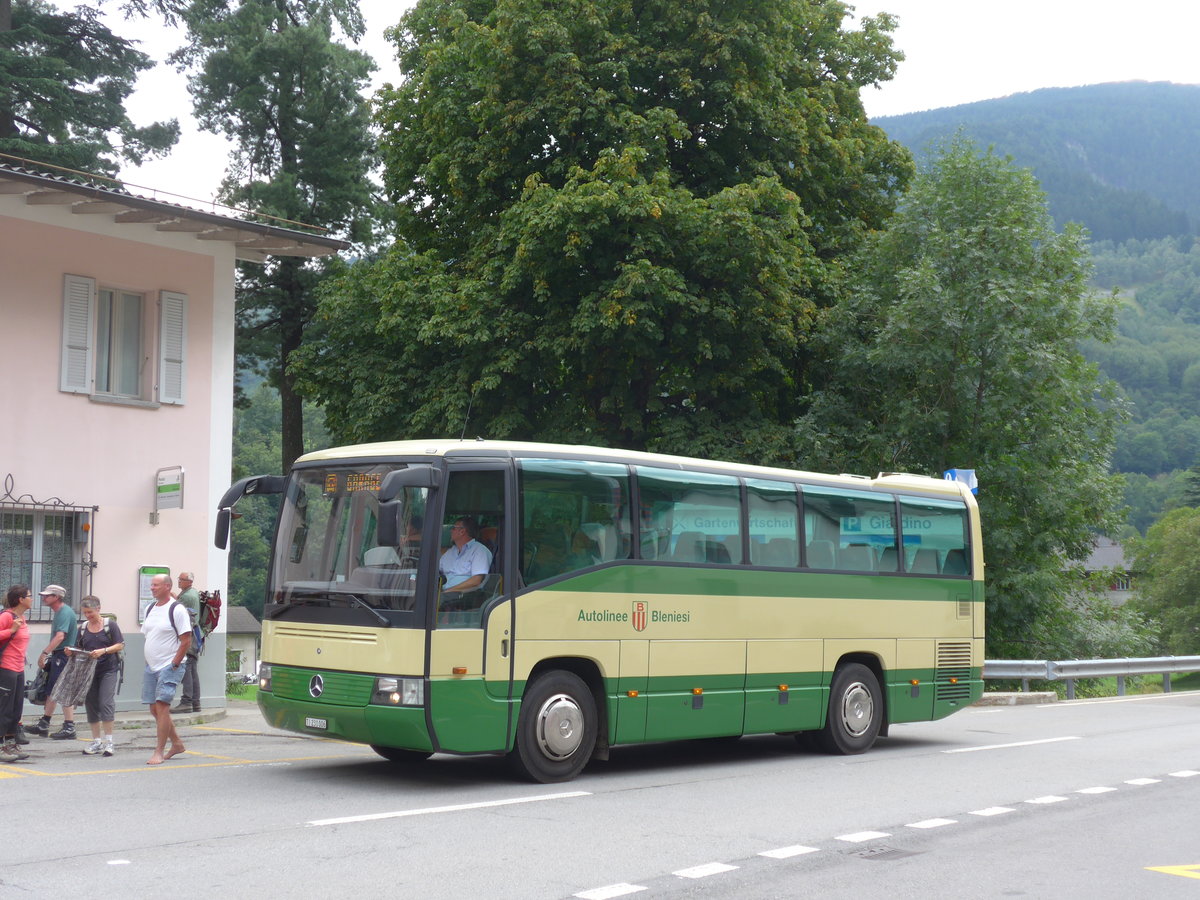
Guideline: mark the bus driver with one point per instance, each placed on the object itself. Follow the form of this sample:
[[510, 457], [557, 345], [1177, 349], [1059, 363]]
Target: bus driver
[[465, 563]]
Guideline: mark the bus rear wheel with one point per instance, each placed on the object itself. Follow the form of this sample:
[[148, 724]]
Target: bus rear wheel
[[404, 757], [556, 730], [855, 711]]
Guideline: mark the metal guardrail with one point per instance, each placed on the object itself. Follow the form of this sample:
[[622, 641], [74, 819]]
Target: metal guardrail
[[1069, 670]]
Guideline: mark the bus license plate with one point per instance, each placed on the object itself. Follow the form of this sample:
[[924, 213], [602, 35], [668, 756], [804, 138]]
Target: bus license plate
[[310, 722]]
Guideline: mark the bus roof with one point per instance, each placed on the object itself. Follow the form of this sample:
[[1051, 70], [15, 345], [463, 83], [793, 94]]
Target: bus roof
[[481, 449]]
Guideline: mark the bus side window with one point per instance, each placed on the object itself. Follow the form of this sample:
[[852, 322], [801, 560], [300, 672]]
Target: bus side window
[[574, 515], [687, 516], [937, 529], [773, 513]]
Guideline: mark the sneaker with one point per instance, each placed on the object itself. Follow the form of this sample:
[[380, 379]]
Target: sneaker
[[10, 752], [67, 733], [20, 732], [181, 707], [93, 748], [40, 727], [109, 749]]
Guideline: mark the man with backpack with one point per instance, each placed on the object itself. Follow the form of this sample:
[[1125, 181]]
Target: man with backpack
[[168, 632], [189, 700], [54, 658]]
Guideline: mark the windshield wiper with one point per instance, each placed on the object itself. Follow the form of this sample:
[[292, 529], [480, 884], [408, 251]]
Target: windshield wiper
[[383, 620], [324, 599]]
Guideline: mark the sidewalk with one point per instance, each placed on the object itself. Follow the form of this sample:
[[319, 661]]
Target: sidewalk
[[141, 718]]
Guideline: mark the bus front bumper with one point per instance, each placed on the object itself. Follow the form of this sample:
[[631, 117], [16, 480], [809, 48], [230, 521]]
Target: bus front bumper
[[387, 726]]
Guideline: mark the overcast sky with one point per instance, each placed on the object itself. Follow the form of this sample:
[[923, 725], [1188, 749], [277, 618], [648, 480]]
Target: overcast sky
[[957, 51]]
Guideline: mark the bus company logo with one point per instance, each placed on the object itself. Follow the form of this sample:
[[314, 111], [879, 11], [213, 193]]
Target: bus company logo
[[316, 686], [639, 615]]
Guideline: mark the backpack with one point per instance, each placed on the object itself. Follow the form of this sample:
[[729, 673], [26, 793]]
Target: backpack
[[197, 646], [210, 611], [107, 634]]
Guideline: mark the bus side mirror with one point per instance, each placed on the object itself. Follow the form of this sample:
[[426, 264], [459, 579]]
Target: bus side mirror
[[255, 484], [414, 476], [387, 529], [221, 538]]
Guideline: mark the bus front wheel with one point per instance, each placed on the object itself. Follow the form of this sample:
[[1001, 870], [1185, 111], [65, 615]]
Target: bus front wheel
[[556, 729], [855, 711]]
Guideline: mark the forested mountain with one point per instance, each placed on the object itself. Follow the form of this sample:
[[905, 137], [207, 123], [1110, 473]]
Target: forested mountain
[[1119, 158]]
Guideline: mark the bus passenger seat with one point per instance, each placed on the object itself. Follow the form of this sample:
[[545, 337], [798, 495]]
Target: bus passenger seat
[[605, 537], [856, 558], [955, 563], [716, 552], [778, 552], [689, 547], [925, 561], [889, 561], [820, 555]]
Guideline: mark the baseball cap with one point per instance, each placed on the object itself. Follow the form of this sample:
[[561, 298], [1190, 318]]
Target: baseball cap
[[53, 589]]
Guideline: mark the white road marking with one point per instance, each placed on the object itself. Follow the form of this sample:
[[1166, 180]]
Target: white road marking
[[1186, 773], [992, 811], [789, 852], [1013, 744], [713, 868], [1095, 790], [1050, 798], [932, 823], [399, 814], [118, 862], [861, 836], [1140, 781], [610, 891]]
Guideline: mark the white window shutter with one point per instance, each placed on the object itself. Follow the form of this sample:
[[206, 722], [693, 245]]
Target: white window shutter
[[172, 346], [78, 368]]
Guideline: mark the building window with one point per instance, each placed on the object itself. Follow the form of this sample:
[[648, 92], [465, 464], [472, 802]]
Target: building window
[[119, 345], [37, 548]]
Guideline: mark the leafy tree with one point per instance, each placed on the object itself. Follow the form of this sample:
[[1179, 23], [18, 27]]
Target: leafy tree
[[1168, 582], [256, 448], [64, 77], [617, 222], [269, 74], [958, 346]]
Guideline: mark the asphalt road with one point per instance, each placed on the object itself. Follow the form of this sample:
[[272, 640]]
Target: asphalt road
[[1094, 799]]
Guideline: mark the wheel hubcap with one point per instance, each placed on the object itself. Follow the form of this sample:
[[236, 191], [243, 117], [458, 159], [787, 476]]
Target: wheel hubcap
[[858, 708], [559, 727]]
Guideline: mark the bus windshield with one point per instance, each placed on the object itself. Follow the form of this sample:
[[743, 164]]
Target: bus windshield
[[327, 555]]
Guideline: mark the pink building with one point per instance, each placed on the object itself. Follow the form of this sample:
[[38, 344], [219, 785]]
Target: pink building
[[117, 320]]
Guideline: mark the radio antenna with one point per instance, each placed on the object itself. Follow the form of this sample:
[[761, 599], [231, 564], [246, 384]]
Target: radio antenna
[[467, 417]]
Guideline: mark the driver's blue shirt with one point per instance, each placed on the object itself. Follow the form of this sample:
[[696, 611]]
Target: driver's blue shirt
[[460, 563]]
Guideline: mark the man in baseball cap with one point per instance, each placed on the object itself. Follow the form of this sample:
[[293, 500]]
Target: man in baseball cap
[[62, 636]]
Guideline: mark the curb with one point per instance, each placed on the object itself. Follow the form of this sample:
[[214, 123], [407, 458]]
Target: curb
[[127, 721]]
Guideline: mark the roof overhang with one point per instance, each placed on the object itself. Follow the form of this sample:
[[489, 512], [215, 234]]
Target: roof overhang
[[253, 242]]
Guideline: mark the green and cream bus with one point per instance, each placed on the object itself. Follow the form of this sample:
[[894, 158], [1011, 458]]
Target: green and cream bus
[[628, 597]]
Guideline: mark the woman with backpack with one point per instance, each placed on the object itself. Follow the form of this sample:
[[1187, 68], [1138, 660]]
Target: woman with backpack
[[102, 641], [14, 639]]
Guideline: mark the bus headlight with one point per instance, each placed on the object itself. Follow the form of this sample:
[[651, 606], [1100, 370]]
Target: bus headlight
[[391, 691], [264, 677]]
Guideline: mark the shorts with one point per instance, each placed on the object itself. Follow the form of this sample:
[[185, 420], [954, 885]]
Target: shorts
[[54, 666], [159, 687]]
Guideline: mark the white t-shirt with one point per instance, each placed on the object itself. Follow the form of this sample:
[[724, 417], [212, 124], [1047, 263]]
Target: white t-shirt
[[162, 641]]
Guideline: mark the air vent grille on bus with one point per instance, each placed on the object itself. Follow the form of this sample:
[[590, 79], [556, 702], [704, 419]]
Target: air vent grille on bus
[[326, 634], [953, 661]]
